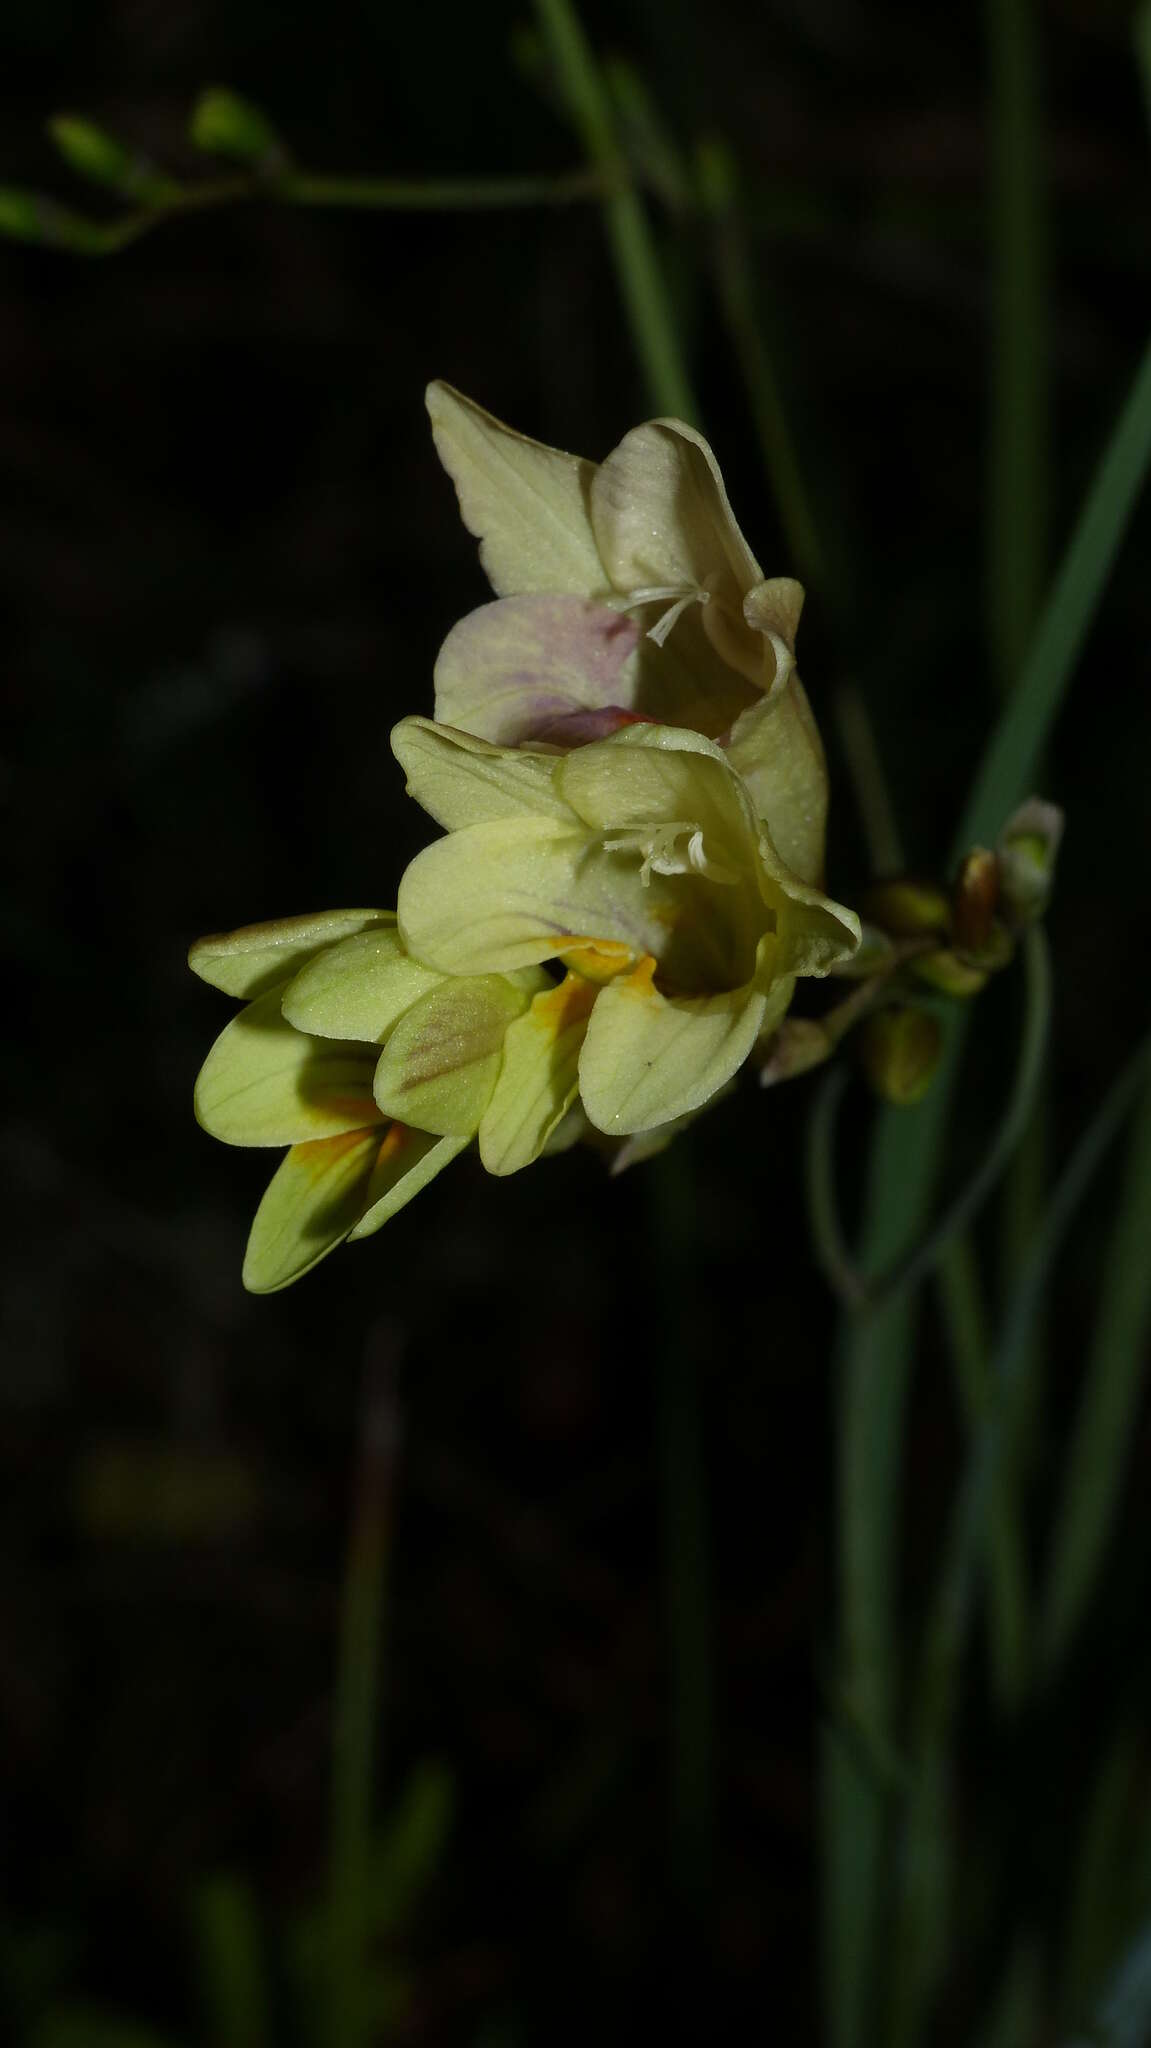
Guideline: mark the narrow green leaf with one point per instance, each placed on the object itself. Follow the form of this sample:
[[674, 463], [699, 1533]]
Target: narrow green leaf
[[1098, 1458], [231, 1974]]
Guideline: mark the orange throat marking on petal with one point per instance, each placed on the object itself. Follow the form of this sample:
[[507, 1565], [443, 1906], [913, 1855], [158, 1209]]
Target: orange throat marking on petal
[[641, 981], [317, 1155], [597, 960], [395, 1138], [566, 1006]]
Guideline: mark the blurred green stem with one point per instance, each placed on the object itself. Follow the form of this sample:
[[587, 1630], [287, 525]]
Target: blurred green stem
[[1018, 456], [357, 1695], [78, 232], [642, 286], [1104, 1428]]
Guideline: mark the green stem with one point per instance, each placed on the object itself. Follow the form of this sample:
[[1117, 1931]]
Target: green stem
[[357, 1700], [642, 286], [1017, 468], [86, 237], [1104, 1428]]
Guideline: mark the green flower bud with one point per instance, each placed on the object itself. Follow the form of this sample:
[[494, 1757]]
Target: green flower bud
[[907, 909], [952, 973], [1027, 850], [93, 153], [900, 1049], [226, 125]]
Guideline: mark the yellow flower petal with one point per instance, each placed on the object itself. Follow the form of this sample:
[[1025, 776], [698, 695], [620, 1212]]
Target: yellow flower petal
[[358, 989], [264, 1083], [461, 780], [248, 961], [311, 1203], [647, 1059], [440, 1064], [539, 1076], [407, 1161], [526, 504]]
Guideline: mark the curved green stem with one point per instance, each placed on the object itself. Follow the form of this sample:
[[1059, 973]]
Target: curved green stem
[[904, 1270], [83, 236]]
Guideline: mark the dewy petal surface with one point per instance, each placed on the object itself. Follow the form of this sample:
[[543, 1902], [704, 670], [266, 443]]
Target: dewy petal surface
[[461, 780], [264, 1083], [657, 774], [538, 1078], [252, 959], [647, 1058], [358, 989], [506, 895], [661, 516], [310, 1204], [514, 667], [776, 749], [441, 1062], [526, 504], [407, 1161]]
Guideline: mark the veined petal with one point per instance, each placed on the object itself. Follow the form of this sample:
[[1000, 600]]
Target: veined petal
[[461, 780], [648, 1058], [500, 896], [358, 989], [656, 775], [310, 1204], [264, 1083], [526, 504], [775, 747], [252, 959], [815, 932], [539, 1076], [440, 1064], [512, 668], [407, 1161], [661, 516]]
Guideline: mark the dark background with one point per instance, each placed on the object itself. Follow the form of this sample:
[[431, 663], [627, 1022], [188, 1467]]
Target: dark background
[[227, 558]]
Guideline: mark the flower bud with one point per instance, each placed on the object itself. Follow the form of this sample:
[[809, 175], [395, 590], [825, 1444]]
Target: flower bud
[[975, 900], [900, 1049], [227, 125], [799, 1044], [907, 909], [953, 974], [93, 153], [1027, 851]]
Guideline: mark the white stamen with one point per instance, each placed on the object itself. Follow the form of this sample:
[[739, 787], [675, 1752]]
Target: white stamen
[[663, 853]]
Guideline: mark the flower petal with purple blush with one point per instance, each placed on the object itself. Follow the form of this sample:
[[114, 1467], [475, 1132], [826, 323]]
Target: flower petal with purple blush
[[510, 670]]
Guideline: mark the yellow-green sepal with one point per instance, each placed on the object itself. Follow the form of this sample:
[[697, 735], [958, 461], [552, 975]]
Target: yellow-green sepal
[[312, 1201], [359, 988], [407, 1161], [252, 959], [265, 1083], [526, 504], [539, 1076], [440, 1065], [648, 1058], [461, 780]]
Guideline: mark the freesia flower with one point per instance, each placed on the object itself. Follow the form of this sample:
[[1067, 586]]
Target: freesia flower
[[626, 588], [375, 1071], [638, 863]]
